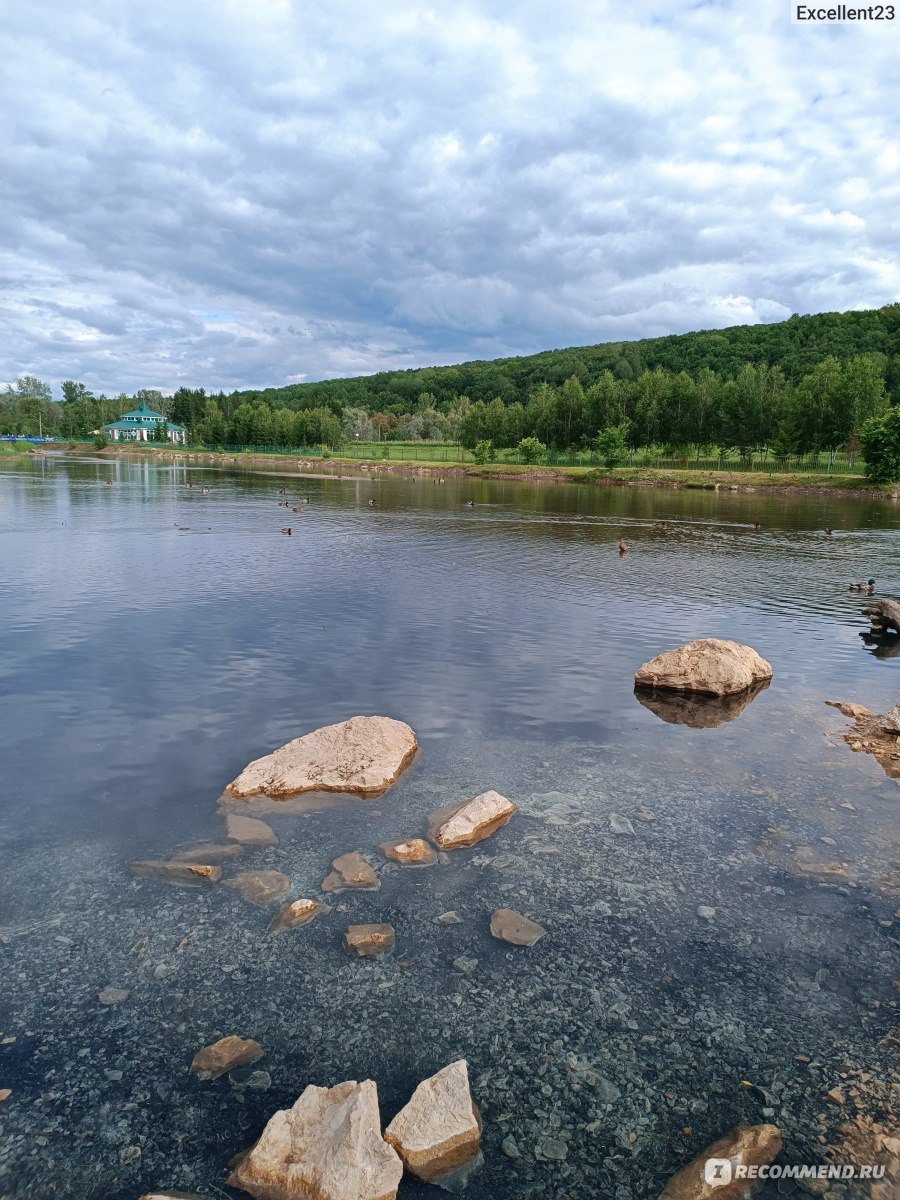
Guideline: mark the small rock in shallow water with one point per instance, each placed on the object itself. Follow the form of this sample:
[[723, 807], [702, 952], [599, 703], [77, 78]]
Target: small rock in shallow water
[[367, 941], [249, 831], [112, 995], [350, 871], [298, 912], [448, 918], [439, 1129], [181, 874], [644, 814], [261, 888], [414, 852], [512, 927], [470, 822], [554, 1149], [465, 965], [5, 1094], [620, 824], [706, 912], [208, 852], [224, 1055], [509, 1147]]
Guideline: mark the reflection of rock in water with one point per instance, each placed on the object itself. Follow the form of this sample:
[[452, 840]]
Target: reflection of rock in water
[[882, 645], [700, 712]]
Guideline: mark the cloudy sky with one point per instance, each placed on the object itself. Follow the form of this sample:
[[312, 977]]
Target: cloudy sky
[[230, 193]]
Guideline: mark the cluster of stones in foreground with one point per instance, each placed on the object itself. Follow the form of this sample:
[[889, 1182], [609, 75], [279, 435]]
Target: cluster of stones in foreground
[[329, 1145]]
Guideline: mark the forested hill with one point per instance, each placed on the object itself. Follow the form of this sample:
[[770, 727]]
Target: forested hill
[[796, 346]]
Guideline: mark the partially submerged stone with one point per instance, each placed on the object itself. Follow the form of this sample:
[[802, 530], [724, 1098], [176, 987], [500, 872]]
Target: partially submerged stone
[[261, 888], [362, 756], [368, 941], [747, 1145], [710, 666], [510, 926], [414, 852], [877, 734], [171, 1196], [249, 831], [182, 874], [208, 852], [113, 995], [327, 1147], [224, 1055], [439, 1130], [470, 822], [295, 914], [351, 871]]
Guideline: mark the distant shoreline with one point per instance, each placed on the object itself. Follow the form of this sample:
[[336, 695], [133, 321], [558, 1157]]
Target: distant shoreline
[[762, 482]]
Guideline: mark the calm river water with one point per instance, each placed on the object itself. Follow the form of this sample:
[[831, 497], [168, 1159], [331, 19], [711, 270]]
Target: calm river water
[[156, 638]]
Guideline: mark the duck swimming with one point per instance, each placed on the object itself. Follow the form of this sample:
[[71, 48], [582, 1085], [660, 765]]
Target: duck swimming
[[623, 548], [862, 585], [287, 530]]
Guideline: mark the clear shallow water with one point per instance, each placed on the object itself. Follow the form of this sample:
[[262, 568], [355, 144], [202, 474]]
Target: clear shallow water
[[145, 664]]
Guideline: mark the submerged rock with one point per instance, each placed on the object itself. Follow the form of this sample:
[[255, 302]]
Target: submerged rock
[[351, 871], [113, 995], [368, 941], [182, 874], [414, 852], [327, 1147], [439, 1130], [261, 888], [5, 1094], [511, 926], [298, 912], [874, 733], [223, 1055], [743, 1145], [471, 822], [171, 1196], [362, 756], [249, 831], [208, 852], [709, 666]]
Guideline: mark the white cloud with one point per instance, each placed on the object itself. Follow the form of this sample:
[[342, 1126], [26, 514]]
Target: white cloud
[[257, 192]]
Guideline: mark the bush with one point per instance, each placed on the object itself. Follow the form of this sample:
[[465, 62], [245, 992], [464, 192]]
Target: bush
[[385, 452], [484, 452], [531, 450], [326, 453], [879, 441], [101, 441], [611, 445]]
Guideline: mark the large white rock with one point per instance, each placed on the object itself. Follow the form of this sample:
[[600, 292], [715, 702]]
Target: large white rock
[[710, 666], [362, 756], [327, 1147], [471, 822], [439, 1130]]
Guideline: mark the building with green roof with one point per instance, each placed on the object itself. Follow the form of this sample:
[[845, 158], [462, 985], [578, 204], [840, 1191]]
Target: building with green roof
[[143, 425]]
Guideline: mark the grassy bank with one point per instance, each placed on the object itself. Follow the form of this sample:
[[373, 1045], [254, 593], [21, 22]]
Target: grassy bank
[[838, 484]]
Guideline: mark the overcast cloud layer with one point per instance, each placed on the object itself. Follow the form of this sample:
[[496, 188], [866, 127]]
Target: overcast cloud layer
[[230, 193]]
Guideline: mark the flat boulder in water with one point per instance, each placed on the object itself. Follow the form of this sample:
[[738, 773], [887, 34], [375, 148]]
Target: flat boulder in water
[[224, 1055], [414, 852], [362, 757], [511, 926], [709, 666], [327, 1147], [471, 822], [261, 888], [350, 871]]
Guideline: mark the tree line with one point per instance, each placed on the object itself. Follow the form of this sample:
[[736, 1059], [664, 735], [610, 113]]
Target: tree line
[[804, 385]]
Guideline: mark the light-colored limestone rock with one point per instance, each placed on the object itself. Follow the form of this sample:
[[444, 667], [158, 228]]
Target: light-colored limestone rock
[[362, 756], [351, 871], [327, 1147], [113, 995], [471, 822], [249, 831], [511, 926], [182, 874], [710, 666], [368, 941], [744, 1144], [295, 914], [224, 1055], [414, 852], [261, 888], [171, 1196], [208, 852], [439, 1130], [5, 1094]]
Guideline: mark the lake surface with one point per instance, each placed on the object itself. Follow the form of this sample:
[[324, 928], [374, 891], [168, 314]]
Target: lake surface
[[156, 638]]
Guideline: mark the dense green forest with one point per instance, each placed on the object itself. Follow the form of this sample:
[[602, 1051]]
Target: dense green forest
[[806, 384]]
